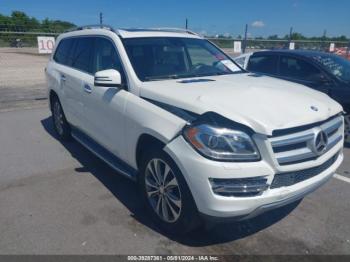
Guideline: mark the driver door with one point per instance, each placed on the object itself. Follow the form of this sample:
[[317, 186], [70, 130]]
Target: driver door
[[104, 106]]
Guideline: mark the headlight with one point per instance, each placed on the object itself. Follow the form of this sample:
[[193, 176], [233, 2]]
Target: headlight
[[221, 144]]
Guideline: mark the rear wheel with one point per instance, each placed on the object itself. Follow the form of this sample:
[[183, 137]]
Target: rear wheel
[[347, 129], [166, 194], [60, 123]]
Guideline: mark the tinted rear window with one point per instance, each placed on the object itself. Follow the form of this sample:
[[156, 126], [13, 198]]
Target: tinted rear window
[[63, 51], [263, 64]]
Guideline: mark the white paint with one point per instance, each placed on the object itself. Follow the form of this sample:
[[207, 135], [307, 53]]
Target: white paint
[[331, 47], [342, 178], [116, 118], [45, 44], [237, 47]]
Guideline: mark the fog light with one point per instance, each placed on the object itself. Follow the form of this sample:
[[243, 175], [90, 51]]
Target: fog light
[[239, 187]]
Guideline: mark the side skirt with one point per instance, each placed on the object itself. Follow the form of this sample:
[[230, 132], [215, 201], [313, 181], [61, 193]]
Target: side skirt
[[102, 153]]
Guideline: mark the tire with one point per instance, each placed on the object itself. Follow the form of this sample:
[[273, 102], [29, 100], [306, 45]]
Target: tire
[[347, 129], [170, 204], [60, 123]]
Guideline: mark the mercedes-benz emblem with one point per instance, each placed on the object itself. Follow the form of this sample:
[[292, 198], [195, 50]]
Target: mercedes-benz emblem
[[320, 142]]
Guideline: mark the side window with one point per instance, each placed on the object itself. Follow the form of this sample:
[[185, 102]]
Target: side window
[[263, 64], [63, 51], [199, 55], [82, 54], [105, 56], [297, 68]]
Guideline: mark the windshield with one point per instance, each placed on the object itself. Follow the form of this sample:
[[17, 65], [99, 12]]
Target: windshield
[[336, 65], [158, 58]]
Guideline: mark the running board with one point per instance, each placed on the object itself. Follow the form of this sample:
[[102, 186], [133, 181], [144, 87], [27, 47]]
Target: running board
[[102, 153]]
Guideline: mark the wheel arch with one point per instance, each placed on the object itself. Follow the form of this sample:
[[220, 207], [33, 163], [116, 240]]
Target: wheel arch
[[52, 96], [145, 143]]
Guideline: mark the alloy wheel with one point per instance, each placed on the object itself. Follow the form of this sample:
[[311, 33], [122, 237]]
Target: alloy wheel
[[163, 191]]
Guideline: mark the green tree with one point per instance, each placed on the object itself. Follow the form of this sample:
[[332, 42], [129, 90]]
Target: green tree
[[20, 21], [273, 37]]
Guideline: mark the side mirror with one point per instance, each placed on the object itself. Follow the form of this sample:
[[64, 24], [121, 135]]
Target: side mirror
[[108, 78]]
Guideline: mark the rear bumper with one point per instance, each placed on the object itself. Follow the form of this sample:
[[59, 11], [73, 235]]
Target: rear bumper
[[197, 171]]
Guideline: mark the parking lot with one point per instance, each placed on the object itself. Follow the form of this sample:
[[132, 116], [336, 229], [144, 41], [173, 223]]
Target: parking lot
[[60, 199]]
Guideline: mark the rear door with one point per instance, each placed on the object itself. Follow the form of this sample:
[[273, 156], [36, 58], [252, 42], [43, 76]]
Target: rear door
[[63, 73], [79, 75], [301, 71]]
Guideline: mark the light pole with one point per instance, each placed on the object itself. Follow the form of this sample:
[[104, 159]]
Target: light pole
[[245, 38], [101, 19]]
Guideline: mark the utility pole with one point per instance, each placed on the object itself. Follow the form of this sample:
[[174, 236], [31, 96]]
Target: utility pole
[[323, 46], [290, 38], [101, 19], [290, 34], [245, 38], [186, 25]]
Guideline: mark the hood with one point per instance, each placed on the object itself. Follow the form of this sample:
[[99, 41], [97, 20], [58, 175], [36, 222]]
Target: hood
[[262, 103]]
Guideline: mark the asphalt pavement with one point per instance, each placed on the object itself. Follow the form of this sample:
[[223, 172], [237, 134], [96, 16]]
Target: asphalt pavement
[[58, 198]]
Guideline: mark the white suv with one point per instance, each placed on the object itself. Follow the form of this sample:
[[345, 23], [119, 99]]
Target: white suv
[[202, 137]]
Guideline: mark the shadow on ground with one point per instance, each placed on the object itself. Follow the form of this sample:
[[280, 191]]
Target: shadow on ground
[[126, 192]]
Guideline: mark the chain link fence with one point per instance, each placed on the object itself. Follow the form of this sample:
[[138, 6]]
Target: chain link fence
[[22, 39], [251, 45], [18, 39]]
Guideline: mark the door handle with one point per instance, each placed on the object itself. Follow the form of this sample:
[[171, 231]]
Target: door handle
[[63, 78], [87, 88]]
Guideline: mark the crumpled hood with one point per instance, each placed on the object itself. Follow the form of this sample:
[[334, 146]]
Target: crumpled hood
[[259, 102]]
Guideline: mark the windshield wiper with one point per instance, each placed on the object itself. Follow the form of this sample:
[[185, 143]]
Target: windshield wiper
[[156, 78], [177, 76]]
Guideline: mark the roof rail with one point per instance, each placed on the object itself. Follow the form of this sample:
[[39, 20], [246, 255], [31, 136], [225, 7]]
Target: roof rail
[[174, 29], [108, 27], [96, 26]]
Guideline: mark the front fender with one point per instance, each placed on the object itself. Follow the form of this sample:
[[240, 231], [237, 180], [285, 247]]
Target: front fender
[[144, 117]]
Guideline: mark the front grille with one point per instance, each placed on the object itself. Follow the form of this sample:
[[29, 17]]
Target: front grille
[[287, 131], [292, 178], [296, 146]]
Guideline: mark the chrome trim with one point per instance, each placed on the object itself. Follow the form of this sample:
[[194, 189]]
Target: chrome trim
[[239, 186], [304, 142], [292, 140]]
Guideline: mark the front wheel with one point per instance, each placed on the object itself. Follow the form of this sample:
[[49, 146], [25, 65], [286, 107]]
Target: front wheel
[[166, 194], [347, 129]]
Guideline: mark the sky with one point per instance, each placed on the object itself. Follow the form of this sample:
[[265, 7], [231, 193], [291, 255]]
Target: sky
[[209, 17]]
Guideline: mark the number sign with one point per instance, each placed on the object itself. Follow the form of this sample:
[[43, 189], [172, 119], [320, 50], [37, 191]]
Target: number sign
[[45, 44]]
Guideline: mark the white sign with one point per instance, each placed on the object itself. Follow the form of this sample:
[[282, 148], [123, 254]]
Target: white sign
[[291, 46], [237, 47], [45, 44], [331, 47]]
